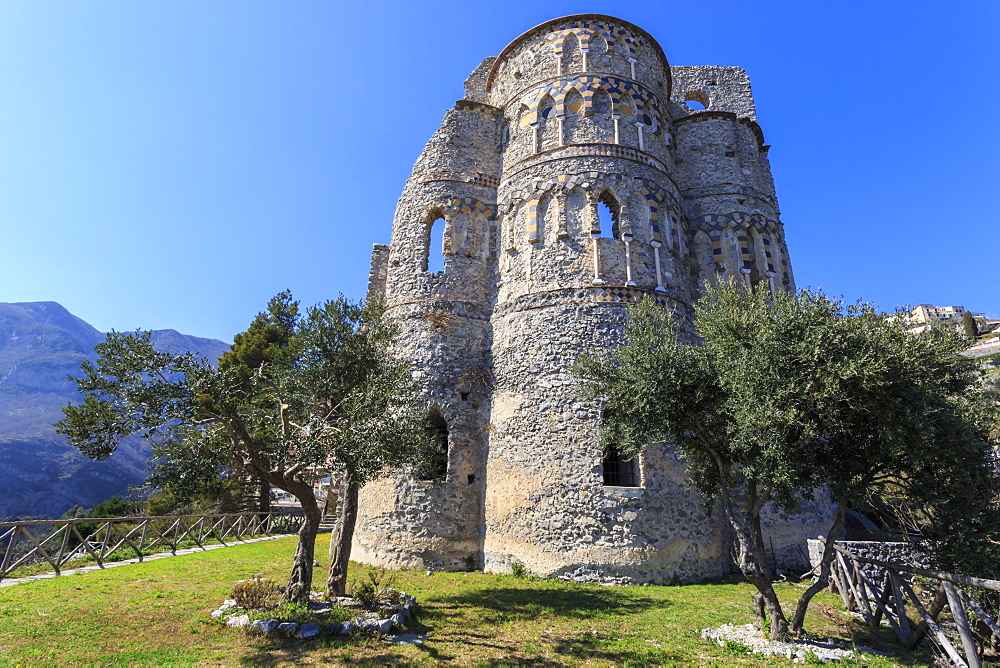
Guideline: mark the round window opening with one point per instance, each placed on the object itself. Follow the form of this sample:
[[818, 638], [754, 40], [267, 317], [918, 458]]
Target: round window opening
[[547, 112]]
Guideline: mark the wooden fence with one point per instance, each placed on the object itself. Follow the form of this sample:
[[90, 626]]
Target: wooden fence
[[33, 542], [884, 592]]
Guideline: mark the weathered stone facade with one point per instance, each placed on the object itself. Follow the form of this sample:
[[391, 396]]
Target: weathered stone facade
[[577, 115]]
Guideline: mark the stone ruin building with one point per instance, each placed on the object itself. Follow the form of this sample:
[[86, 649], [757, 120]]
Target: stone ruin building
[[578, 119]]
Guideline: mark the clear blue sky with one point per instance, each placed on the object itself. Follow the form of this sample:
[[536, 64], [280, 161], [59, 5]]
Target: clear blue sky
[[171, 164]]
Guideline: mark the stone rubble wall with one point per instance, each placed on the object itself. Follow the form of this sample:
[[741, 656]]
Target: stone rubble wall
[[515, 175]]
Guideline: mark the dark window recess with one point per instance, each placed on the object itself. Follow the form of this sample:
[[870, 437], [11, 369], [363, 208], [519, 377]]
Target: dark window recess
[[435, 457], [472, 478], [619, 472], [464, 395]]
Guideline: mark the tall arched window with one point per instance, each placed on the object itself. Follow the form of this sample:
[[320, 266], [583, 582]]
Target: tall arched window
[[608, 211], [434, 464], [433, 259]]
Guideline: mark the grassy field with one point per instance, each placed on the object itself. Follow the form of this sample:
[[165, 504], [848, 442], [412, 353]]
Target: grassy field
[[158, 613]]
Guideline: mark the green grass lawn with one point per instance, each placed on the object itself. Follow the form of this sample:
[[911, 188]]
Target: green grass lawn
[[158, 613]]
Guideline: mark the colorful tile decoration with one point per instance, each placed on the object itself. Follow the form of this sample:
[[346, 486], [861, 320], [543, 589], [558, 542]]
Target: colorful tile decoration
[[584, 30], [627, 98]]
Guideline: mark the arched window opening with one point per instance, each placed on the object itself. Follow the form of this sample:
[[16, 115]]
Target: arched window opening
[[705, 260], [696, 100], [608, 212], [434, 460], [548, 126], [434, 251]]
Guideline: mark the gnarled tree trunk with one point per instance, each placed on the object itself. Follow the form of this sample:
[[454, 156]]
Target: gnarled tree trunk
[[341, 537]]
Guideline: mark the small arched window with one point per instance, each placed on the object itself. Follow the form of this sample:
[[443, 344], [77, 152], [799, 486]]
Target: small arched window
[[434, 460]]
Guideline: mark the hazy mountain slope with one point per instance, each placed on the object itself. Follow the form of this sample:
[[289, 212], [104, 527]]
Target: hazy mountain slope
[[41, 343]]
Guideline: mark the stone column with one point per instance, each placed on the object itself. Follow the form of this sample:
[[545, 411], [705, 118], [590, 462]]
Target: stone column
[[659, 273], [595, 235]]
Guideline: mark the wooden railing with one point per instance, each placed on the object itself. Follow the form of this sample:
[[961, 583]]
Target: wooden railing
[[60, 542], [889, 597]]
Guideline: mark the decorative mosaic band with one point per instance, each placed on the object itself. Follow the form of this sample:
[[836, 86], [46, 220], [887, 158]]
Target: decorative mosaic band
[[470, 205], [585, 30], [714, 223], [475, 178]]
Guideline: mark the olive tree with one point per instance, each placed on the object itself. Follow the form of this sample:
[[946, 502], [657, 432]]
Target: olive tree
[[788, 396], [324, 392]]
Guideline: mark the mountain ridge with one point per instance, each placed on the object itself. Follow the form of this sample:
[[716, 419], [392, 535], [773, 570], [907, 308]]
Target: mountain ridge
[[41, 343]]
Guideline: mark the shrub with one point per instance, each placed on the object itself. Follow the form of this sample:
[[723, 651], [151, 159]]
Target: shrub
[[377, 584], [518, 570], [255, 594]]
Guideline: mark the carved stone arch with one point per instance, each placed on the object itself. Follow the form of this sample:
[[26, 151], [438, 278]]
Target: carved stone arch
[[601, 102], [674, 219], [470, 224], [570, 52], [573, 103], [600, 54]]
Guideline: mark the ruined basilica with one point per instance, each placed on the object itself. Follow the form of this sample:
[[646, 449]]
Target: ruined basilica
[[580, 172]]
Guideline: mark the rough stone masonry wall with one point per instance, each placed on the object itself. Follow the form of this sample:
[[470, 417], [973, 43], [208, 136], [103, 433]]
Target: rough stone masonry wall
[[575, 110], [443, 319], [546, 505]]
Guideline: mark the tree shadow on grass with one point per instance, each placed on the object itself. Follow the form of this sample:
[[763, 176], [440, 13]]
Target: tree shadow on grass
[[349, 650], [498, 605]]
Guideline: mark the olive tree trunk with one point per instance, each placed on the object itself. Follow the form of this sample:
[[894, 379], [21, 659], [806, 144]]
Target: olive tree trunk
[[824, 572], [341, 537], [751, 558], [300, 579]]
